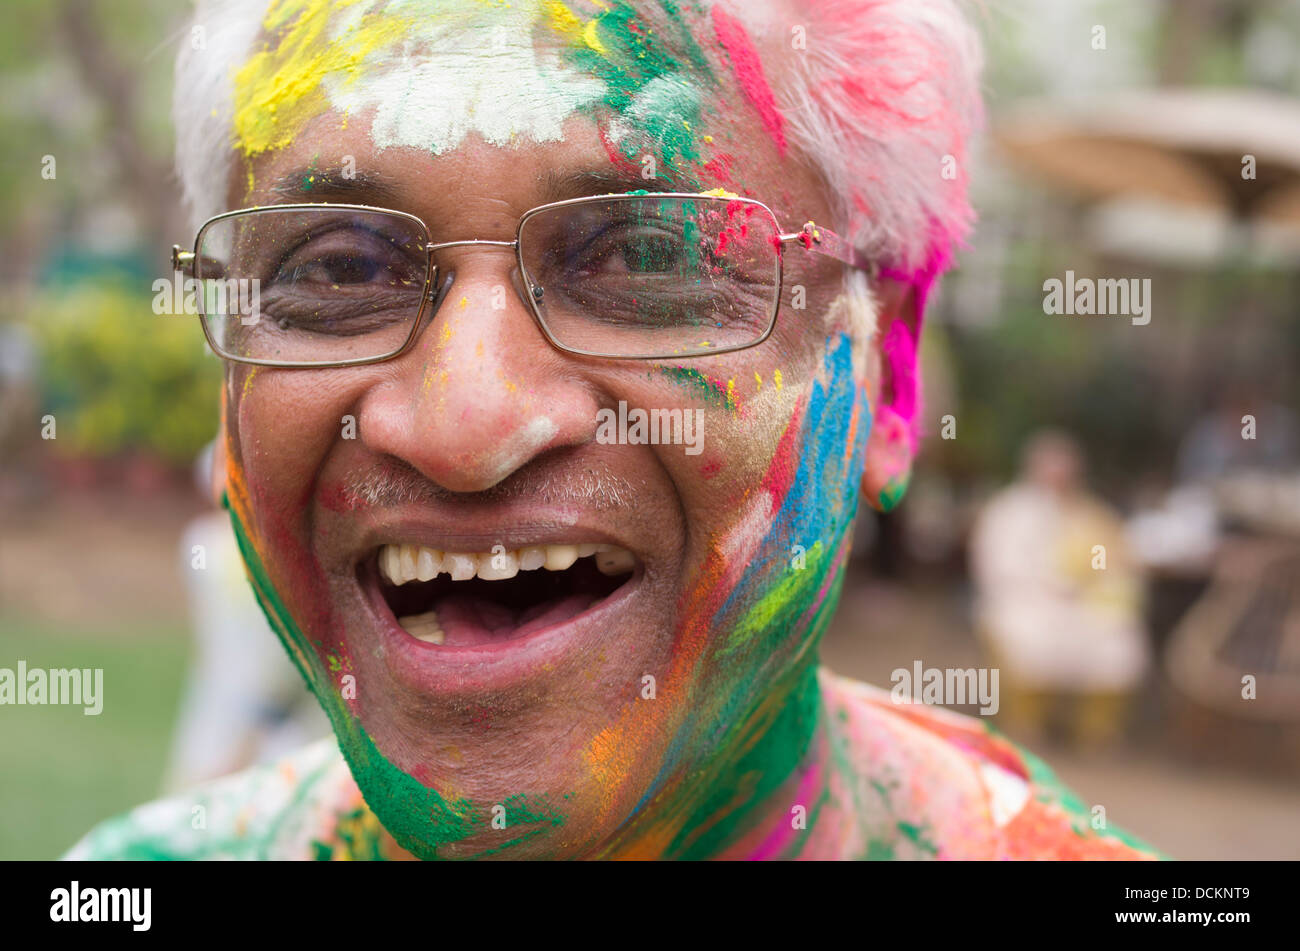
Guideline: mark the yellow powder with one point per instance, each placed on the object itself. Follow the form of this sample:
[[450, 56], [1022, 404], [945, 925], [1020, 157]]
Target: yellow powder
[[278, 90]]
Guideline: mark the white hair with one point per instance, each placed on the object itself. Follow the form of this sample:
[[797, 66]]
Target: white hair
[[881, 102]]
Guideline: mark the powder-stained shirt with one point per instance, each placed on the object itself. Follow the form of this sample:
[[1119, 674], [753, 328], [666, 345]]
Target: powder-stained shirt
[[934, 784]]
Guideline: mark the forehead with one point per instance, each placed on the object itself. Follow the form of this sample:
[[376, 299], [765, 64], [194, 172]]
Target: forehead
[[685, 87]]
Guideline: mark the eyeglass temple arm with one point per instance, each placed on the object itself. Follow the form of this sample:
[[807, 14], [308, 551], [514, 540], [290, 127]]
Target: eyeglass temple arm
[[825, 241]]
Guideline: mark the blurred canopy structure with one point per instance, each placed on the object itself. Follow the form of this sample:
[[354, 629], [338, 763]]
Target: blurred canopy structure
[[1234, 151]]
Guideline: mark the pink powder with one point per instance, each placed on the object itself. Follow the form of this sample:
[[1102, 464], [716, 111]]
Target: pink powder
[[898, 348], [747, 66]]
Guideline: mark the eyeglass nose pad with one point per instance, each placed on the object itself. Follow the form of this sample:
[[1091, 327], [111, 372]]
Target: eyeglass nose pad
[[528, 292], [438, 294]]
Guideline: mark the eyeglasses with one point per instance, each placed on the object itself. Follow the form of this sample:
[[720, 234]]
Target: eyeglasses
[[625, 277]]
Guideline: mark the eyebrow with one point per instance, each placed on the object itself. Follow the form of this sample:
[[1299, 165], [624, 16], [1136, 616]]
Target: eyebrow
[[582, 183], [354, 186], [371, 188]]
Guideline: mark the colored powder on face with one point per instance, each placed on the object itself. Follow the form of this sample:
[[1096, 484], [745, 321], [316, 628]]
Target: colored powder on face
[[715, 390], [419, 818], [278, 90], [774, 603], [777, 606], [654, 77], [431, 73], [742, 738], [471, 68], [565, 22], [748, 69]]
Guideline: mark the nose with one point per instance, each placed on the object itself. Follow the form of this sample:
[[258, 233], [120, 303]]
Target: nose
[[480, 393]]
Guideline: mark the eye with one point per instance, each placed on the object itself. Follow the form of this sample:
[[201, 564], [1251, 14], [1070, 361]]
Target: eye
[[632, 252], [345, 257]]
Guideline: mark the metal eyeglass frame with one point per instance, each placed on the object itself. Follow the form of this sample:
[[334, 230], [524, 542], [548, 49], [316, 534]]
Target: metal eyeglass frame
[[811, 236]]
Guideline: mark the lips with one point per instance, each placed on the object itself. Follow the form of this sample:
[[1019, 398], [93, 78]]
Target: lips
[[486, 599]]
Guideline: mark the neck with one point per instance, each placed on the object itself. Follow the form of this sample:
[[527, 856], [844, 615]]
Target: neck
[[762, 796], [800, 818]]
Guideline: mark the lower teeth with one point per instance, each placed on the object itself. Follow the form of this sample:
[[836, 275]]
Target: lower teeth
[[423, 627]]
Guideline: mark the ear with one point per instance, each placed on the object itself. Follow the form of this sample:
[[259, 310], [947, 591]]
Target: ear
[[891, 446]]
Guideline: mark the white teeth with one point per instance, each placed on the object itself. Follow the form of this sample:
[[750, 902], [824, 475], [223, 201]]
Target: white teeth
[[559, 557], [407, 561], [498, 566], [460, 566], [399, 564], [427, 564], [615, 561], [390, 563], [423, 627]]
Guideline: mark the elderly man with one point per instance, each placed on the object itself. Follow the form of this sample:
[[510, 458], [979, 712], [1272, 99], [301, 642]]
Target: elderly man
[[579, 330]]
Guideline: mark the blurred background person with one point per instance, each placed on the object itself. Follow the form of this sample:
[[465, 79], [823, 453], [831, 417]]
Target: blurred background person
[[1058, 598]]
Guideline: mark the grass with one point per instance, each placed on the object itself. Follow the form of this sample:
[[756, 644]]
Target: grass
[[61, 771]]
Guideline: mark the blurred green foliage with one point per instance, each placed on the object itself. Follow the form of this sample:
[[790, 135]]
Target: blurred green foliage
[[118, 377]]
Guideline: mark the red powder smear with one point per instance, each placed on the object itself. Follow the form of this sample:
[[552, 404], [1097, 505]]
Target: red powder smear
[[619, 160], [710, 469], [1044, 831], [719, 167], [336, 498], [747, 66], [785, 461]]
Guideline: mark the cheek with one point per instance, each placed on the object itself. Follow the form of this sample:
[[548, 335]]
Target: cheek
[[789, 537], [282, 426], [742, 410]]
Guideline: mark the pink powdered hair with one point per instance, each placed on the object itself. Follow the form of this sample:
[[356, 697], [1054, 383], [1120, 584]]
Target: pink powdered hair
[[884, 100]]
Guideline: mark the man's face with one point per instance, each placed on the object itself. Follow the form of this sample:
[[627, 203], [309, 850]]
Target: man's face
[[639, 712]]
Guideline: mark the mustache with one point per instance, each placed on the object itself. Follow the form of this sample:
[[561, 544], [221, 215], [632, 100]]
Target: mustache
[[399, 483]]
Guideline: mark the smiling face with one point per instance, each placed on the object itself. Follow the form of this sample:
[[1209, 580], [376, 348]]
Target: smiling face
[[651, 696]]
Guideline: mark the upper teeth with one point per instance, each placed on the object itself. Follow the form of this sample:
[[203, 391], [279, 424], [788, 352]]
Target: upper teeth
[[402, 563]]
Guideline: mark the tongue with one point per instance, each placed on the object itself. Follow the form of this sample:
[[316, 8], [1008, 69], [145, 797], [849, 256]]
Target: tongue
[[468, 621]]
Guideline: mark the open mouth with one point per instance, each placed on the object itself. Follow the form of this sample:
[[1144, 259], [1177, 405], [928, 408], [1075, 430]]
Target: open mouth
[[471, 599]]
